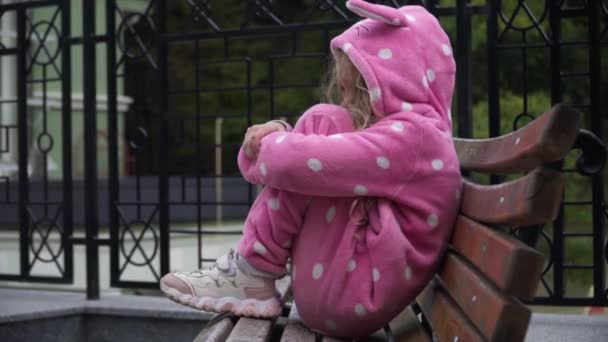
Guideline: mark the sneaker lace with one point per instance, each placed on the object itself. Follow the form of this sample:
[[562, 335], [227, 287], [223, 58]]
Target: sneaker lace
[[219, 269]]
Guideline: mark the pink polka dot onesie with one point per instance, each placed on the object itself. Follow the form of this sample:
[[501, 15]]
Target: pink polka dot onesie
[[352, 276]]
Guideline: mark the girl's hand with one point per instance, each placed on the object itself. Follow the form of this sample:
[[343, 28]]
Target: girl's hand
[[254, 135]]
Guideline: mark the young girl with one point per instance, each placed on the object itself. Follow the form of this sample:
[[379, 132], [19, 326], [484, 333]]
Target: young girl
[[360, 196]]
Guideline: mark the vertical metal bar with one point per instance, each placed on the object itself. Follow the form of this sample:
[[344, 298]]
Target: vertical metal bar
[[493, 82], [463, 73], [90, 148], [22, 45], [556, 97], [597, 188], [66, 117], [197, 86], [249, 121], [163, 181], [431, 6], [556, 84], [271, 85], [493, 90], [113, 188]]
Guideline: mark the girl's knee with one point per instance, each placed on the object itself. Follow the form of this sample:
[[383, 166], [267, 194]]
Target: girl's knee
[[325, 119]]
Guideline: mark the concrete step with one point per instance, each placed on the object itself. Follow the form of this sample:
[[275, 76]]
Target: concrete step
[[41, 316], [28, 315]]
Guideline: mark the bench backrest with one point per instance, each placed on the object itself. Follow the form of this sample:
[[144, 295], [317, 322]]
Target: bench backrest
[[476, 294]]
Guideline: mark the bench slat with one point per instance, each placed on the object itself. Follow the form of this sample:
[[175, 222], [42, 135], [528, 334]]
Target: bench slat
[[500, 257], [295, 330], [546, 139], [406, 327], [498, 317], [530, 200], [217, 332], [446, 318], [251, 330], [283, 285]]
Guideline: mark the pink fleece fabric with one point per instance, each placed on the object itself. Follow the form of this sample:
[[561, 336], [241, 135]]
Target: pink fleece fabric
[[351, 277]]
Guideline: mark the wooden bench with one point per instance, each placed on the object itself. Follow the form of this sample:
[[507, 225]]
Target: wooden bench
[[478, 291]]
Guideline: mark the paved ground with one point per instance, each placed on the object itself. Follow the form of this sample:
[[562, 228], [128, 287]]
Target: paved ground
[[18, 305]]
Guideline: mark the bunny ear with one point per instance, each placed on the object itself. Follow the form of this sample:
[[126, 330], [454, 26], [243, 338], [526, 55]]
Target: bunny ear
[[382, 13]]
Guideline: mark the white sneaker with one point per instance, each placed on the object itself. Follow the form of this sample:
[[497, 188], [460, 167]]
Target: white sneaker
[[223, 288]]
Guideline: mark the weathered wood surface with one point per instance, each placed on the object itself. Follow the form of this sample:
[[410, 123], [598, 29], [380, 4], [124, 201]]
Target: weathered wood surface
[[218, 332], [498, 317], [529, 200], [447, 320], [406, 327], [251, 330], [546, 139], [283, 285], [512, 266], [296, 330]]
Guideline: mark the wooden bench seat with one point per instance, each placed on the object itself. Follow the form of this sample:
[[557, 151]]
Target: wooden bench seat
[[486, 273]]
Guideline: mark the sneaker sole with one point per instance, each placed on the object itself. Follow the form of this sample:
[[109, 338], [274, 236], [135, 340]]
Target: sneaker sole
[[248, 307]]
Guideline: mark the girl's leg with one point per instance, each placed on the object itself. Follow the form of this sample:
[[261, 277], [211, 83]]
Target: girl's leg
[[243, 284], [276, 217]]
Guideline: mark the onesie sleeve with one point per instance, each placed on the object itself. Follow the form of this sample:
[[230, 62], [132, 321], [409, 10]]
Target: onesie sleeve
[[375, 161]]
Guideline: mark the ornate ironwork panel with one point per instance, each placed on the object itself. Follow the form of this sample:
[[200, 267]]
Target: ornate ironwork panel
[[35, 135]]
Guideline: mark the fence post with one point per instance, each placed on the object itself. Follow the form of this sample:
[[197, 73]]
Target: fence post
[[90, 148], [22, 126], [463, 73], [219, 190], [597, 188], [163, 177]]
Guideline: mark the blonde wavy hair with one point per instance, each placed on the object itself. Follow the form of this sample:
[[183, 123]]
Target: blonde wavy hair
[[344, 85]]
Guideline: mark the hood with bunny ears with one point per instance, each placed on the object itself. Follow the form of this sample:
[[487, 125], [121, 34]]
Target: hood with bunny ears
[[404, 56]]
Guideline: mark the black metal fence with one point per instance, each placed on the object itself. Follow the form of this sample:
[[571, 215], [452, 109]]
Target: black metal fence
[[197, 72]]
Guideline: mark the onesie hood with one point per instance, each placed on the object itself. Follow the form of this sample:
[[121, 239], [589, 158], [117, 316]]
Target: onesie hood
[[404, 56]]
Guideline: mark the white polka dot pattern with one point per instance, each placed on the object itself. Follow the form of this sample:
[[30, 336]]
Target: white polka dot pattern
[[352, 264], [383, 162], [410, 18], [430, 75], [406, 106], [408, 273], [280, 139], [331, 213], [360, 310], [360, 190], [397, 126], [446, 49], [259, 248], [432, 220], [274, 204], [376, 274], [317, 271], [263, 169], [346, 47], [437, 164], [376, 94], [385, 53], [315, 164]]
